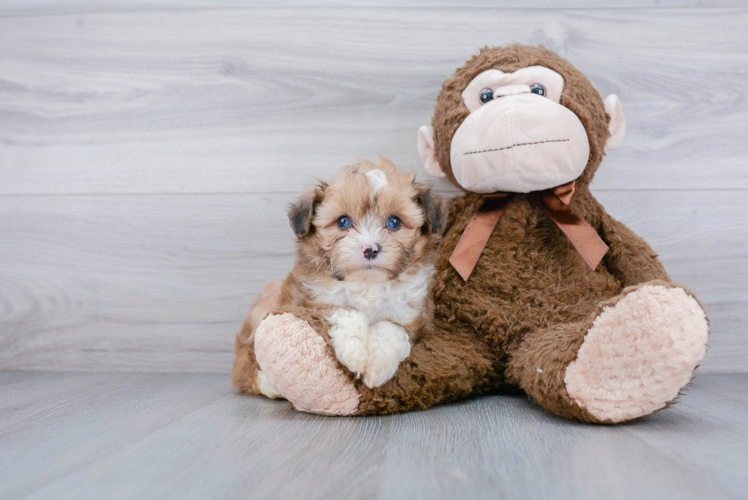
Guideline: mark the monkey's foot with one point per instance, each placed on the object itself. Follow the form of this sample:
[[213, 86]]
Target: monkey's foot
[[638, 354], [296, 363]]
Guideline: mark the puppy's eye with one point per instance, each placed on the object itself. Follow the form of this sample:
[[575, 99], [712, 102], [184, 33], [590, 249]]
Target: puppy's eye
[[394, 222], [486, 95], [344, 222], [537, 88]]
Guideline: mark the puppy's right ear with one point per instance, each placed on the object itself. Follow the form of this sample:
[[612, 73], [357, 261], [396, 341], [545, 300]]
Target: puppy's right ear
[[432, 209], [301, 213]]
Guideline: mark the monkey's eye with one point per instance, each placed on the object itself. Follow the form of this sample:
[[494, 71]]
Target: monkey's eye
[[537, 88], [486, 95], [393, 222], [344, 222]]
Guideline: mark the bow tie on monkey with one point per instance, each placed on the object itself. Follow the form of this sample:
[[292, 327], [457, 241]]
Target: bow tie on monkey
[[520, 134]]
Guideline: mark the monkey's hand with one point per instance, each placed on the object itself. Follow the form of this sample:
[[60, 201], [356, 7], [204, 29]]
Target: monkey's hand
[[629, 258]]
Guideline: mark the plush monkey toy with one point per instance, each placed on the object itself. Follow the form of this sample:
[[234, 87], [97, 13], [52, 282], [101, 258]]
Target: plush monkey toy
[[537, 287]]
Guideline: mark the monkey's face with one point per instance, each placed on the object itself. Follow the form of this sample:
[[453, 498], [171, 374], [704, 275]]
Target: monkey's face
[[517, 137], [519, 119]]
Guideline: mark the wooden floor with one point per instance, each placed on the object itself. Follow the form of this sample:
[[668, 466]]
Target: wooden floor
[[94, 436]]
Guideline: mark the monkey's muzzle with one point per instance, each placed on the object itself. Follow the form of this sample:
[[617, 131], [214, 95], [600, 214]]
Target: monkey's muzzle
[[519, 144]]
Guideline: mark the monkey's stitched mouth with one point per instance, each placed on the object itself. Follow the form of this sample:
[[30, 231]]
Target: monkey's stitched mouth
[[515, 146]]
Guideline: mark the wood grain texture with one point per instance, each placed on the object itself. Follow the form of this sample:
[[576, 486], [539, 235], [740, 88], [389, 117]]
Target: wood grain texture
[[225, 100], [188, 436], [47, 7], [163, 282], [147, 153]]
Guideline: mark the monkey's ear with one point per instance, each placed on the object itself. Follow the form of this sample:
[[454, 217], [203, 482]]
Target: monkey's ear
[[427, 152], [617, 124], [432, 209], [301, 213]]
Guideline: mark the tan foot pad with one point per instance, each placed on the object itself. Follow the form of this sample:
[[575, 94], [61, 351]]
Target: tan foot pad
[[638, 354], [296, 363]]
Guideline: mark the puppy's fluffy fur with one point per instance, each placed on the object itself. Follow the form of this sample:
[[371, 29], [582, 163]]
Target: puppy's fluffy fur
[[365, 257]]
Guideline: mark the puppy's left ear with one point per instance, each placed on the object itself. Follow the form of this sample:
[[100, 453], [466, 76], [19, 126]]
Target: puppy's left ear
[[301, 213], [432, 209]]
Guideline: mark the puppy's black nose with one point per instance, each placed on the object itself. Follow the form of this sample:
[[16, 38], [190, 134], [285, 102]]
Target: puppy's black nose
[[371, 251]]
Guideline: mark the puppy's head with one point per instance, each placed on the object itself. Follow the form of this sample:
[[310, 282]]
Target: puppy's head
[[370, 223]]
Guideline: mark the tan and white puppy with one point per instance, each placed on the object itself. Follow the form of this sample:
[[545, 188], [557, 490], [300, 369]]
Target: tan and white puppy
[[365, 258]]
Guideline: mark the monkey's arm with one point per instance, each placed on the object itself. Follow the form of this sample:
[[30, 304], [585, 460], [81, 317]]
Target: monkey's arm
[[629, 258]]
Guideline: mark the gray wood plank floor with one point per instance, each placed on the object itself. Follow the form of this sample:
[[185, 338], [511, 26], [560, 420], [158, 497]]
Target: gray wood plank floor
[[81, 436], [148, 151]]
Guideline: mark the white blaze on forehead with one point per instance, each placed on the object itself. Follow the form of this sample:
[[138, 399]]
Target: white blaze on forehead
[[377, 179]]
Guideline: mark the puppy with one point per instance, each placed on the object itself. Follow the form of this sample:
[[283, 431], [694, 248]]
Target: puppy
[[365, 258]]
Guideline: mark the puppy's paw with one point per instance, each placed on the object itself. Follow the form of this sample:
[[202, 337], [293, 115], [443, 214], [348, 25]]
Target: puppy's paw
[[266, 388], [348, 332], [388, 344]]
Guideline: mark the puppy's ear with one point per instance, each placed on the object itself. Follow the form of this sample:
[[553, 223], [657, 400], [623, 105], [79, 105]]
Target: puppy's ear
[[301, 213], [432, 209]]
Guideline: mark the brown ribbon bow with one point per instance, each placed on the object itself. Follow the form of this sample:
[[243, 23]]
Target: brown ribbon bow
[[554, 201]]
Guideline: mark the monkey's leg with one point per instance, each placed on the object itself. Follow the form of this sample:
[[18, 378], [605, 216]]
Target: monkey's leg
[[444, 366], [294, 350], [628, 359], [300, 363]]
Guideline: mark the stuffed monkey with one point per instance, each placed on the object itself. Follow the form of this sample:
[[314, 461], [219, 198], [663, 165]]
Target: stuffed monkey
[[537, 288]]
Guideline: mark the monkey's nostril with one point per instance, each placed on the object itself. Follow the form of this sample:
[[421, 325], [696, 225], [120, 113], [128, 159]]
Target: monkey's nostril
[[371, 251]]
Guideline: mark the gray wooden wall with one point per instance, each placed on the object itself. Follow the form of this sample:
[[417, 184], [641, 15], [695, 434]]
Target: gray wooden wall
[[148, 151]]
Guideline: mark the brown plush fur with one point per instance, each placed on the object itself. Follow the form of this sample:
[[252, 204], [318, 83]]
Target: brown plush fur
[[323, 259]]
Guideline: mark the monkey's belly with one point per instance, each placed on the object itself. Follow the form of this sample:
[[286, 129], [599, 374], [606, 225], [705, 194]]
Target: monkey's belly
[[525, 280]]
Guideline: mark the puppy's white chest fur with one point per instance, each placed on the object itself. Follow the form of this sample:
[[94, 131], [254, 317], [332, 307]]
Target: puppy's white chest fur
[[400, 300]]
